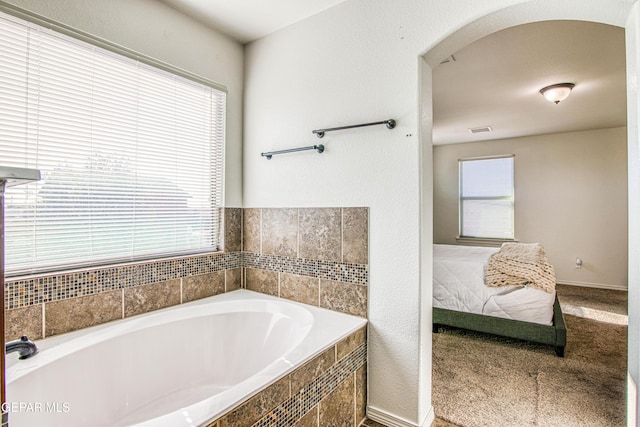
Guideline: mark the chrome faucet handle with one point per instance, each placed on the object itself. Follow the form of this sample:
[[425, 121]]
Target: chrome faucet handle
[[24, 346]]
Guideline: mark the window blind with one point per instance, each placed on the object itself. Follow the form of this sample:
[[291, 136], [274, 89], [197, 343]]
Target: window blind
[[131, 155], [487, 198]]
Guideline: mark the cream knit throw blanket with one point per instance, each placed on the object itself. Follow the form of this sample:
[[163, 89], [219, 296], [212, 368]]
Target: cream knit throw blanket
[[521, 264]]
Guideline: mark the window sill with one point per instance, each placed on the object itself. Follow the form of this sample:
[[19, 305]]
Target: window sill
[[482, 241]]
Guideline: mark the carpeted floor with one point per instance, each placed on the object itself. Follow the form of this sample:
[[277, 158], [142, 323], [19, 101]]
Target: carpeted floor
[[481, 380]]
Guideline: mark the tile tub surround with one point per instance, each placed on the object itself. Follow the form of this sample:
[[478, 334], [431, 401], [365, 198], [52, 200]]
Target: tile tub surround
[[330, 389], [88, 307], [318, 256]]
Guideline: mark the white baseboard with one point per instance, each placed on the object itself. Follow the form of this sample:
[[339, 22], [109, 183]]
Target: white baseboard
[[429, 418], [592, 285], [391, 420]]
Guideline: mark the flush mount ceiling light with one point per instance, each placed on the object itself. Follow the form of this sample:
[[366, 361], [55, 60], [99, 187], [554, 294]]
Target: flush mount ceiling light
[[558, 92], [481, 129]]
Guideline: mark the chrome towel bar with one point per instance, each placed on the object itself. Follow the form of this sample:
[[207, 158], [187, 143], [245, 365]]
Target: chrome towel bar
[[318, 148], [389, 123]]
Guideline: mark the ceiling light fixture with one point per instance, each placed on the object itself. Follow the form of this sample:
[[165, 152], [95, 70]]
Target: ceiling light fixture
[[558, 92], [481, 129]]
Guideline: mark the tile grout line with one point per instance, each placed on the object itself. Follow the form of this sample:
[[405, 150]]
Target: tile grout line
[[298, 233], [342, 235], [43, 326], [355, 400], [261, 229]]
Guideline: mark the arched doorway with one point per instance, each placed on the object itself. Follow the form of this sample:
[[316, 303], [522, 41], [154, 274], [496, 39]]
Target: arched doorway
[[608, 12]]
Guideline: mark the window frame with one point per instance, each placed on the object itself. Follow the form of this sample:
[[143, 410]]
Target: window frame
[[461, 236]]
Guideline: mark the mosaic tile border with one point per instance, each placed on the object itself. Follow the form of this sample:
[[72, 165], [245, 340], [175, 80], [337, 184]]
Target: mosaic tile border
[[46, 288], [42, 289], [329, 270], [290, 411]]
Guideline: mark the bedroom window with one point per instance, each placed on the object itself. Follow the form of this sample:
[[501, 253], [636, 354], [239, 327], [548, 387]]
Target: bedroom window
[[131, 154], [486, 197]]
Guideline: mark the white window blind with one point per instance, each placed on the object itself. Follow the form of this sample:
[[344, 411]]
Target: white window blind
[[131, 155], [486, 198]]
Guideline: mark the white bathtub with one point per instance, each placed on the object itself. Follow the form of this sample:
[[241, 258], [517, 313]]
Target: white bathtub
[[181, 366]]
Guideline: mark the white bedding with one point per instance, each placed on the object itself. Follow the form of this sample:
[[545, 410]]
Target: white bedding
[[458, 284]]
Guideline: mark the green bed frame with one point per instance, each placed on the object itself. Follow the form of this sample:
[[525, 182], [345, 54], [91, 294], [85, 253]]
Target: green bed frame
[[555, 334]]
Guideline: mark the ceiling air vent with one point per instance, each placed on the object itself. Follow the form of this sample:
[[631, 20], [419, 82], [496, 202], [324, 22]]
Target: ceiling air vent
[[481, 129], [449, 58]]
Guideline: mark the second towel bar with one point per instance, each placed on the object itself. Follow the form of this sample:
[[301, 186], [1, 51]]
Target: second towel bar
[[318, 148], [389, 123]]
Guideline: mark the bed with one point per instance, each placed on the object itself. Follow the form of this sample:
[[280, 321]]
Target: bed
[[462, 299]]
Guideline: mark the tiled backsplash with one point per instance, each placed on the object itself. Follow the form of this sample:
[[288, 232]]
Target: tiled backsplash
[[339, 235], [44, 306], [318, 256]]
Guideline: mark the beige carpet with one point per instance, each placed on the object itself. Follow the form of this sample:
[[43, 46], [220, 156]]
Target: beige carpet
[[484, 381]]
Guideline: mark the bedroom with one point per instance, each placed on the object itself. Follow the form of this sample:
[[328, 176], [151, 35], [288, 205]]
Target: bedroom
[[570, 160]]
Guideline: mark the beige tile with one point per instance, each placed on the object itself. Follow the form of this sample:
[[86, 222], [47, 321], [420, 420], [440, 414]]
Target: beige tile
[[350, 343], [344, 297], [251, 230], [77, 313], [321, 234], [145, 298], [233, 279], [202, 286], [355, 235], [232, 229], [213, 424], [23, 321], [337, 409], [280, 232], [262, 281], [310, 419], [313, 368], [361, 393], [302, 289], [253, 409]]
